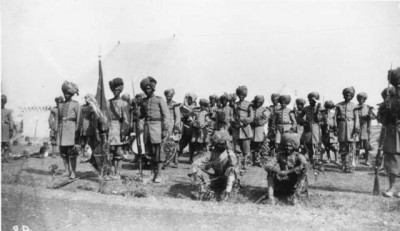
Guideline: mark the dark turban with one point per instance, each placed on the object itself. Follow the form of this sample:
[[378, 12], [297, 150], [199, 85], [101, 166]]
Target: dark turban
[[224, 96], [241, 90], [394, 76], [362, 95], [292, 139], [385, 92], [148, 81], [300, 101], [59, 99], [284, 99], [275, 96], [329, 104], [70, 87], [4, 98], [259, 98], [214, 96], [220, 137], [170, 91], [350, 90], [204, 102], [116, 84], [314, 95]]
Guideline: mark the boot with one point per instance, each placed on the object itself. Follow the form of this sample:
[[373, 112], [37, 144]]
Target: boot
[[158, 177], [67, 171], [72, 162], [367, 158]]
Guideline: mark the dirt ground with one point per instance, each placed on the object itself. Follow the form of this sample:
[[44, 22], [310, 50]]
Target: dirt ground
[[337, 201]]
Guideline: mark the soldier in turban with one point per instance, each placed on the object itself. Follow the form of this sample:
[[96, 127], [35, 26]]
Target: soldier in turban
[[271, 131], [213, 108], [119, 126], [348, 128], [7, 129], [242, 133], [300, 104], [53, 123], [224, 115], [222, 161], [389, 115], [68, 119], [287, 172], [261, 116], [329, 130], [200, 124], [366, 115], [189, 104], [156, 115], [174, 122]]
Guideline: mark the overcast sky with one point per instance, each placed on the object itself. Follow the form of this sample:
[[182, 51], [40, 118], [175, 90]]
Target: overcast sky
[[304, 46]]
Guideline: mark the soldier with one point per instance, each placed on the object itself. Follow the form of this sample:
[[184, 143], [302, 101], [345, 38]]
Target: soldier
[[284, 119], [156, 115], [271, 132], [174, 122], [329, 130], [366, 115], [189, 103], [221, 160], [213, 108], [232, 100], [126, 97], [7, 129], [68, 118], [200, 124], [224, 115], [287, 172], [261, 116], [348, 129], [119, 125], [312, 131], [390, 117], [300, 103], [241, 130], [53, 123]]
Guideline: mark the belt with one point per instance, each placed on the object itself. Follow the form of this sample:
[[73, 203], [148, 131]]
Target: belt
[[347, 119], [284, 123], [153, 119], [69, 119]]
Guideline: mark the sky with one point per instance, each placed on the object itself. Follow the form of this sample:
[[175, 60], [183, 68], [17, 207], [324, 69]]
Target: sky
[[268, 46]]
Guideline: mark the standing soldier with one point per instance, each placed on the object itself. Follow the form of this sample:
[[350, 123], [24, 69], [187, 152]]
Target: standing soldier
[[241, 131], [189, 103], [174, 122], [53, 123], [329, 130], [7, 129], [366, 115], [300, 103], [68, 118], [200, 125], [213, 108], [261, 115], [312, 131], [348, 129], [156, 115], [271, 132], [119, 125], [390, 118], [284, 120], [224, 115]]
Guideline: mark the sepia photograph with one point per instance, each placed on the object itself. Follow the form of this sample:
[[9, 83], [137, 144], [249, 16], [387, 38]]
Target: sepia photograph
[[200, 115]]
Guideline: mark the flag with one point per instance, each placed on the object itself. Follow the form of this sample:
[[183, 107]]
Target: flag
[[100, 94]]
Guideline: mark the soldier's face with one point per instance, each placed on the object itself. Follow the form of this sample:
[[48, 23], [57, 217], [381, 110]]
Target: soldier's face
[[168, 97], [224, 102], [241, 96], [348, 97], [258, 103], [288, 148], [190, 100], [361, 100], [300, 106], [67, 96], [274, 101], [148, 91], [311, 100]]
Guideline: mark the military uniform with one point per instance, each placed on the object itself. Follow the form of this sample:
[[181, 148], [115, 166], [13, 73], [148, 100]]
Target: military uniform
[[261, 116], [187, 130], [174, 120], [329, 131], [68, 118], [7, 126], [200, 125], [365, 115], [284, 121], [53, 124], [347, 123], [156, 116], [223, 118], [118, 127], [241, 129]]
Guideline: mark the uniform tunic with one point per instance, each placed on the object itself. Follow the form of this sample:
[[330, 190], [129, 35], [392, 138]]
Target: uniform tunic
[[347, 121], [223, 118], [312, 132], [284, 121], [174, 119], [201, 121], [365, 116], [7, 125], [68, 118], [299, 121], [328, 125], [156, 115], [119, 124], [243, 113], [261, 116], [53, 124]]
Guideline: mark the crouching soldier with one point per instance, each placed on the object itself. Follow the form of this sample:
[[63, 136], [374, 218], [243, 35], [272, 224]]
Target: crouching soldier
[[222, 161], [287, 172]]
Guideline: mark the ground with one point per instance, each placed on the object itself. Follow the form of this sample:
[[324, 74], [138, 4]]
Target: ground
[[337, 201]]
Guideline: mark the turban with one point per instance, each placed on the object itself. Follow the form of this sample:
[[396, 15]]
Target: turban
[[292, 139], [362, 95], [3, 98], [225, 96], [329, 104], [126, 97], [116, 84], [191, 95], [313, 95], [275, 96], [148, 81], [394, 76], [70, 87], [220, 137], [214, 96], [59, 99], [385, 92], [300, 101], [259, 98], [350, 90], [170, 91], [204, 102], [284, 99], [241, 90]]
